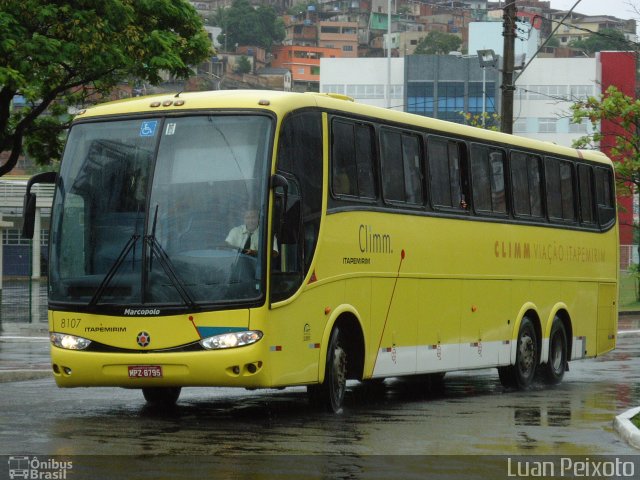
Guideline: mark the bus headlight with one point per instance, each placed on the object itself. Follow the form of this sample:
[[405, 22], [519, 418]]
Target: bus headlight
[[69, 342], [231, 340]]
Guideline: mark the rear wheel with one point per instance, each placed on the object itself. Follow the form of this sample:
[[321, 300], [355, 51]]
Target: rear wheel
[[554, 369], [330, 394], [164, 396], [521, 374]]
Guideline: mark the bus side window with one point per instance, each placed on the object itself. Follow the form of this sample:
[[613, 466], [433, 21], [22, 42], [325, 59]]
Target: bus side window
[[560, 189], [487, 174], [604, 197], [447, 174], [352, 159], [585, 186], [300, 162], [401, 167], [526, 184]]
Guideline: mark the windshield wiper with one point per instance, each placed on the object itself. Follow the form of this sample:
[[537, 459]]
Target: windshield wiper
[[166, 263], [114, 268], [168, 267]]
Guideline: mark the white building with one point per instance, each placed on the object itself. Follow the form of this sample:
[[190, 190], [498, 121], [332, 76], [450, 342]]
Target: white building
[[544, 94], [365, 80]]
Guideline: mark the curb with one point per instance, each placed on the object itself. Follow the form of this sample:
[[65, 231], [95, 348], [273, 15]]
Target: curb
[[23, 375], [626, 429]]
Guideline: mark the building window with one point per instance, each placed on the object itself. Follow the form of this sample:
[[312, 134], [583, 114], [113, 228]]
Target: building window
[[450, 101], [581, 127], [475, 104], [548, 92], [396, 91], [333, 89], [420, 98], [347, 48], [547, 125], [580, 92], [520, 125], [365, 91]]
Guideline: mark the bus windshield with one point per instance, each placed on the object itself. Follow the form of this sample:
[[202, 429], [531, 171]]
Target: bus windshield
[[162, 211]]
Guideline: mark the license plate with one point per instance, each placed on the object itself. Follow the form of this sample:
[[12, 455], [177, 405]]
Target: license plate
[[145, 371]]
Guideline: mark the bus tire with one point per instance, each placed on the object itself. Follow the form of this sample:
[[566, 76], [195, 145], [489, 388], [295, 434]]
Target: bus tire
[[554, 369], [165, 396], [330, 393], [522, 373]]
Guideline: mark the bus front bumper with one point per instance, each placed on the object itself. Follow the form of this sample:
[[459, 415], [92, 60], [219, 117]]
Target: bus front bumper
[[237, 367]]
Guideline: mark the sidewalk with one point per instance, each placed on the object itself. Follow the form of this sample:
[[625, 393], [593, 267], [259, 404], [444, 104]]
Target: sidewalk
[[24, 351]]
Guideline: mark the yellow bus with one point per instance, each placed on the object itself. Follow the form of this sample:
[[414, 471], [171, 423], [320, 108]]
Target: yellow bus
[[265, 239]]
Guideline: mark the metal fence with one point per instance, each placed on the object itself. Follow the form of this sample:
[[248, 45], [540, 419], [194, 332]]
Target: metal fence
[[628, 256], [23, 306]]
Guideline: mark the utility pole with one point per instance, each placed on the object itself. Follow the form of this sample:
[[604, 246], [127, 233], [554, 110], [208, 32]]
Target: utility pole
[[508, 87]]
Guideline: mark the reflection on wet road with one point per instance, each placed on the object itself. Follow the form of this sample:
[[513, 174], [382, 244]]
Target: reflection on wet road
[[471, 414]]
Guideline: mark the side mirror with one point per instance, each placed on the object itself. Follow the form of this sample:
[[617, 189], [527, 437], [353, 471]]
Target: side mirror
[[29, 203]]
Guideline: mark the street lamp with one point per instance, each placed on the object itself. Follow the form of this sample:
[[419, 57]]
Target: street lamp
[[487, 59]]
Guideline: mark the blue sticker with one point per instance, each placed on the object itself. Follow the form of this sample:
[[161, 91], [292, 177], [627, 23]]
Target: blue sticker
[[148, 128]]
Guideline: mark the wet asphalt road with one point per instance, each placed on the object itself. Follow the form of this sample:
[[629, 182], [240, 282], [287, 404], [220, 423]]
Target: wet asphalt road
[[388, 432], [471, 415]]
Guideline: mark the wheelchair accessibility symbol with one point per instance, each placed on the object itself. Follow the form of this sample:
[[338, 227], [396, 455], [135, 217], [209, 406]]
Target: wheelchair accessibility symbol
[[148, 128]]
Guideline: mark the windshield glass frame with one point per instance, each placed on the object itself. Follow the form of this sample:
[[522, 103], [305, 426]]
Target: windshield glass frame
[[143, 243]]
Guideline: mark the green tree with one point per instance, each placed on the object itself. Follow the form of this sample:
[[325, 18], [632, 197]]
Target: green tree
[[244, 65], [64, 54], [605, 39], [488, 120], [246, 25], [438, 43], [624, 112]]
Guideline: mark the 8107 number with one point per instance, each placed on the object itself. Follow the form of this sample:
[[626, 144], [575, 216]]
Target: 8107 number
[[70, 322]]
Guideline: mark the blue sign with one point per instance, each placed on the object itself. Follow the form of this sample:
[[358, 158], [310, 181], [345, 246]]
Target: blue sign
[[148, 128]]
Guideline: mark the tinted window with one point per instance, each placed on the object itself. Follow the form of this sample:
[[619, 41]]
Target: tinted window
[[446, 173], [300, 160], [604, 187], [605, 197], [487, 176], [525, 181], [352, 159], [401, 167], [585, 186], [560, 195]]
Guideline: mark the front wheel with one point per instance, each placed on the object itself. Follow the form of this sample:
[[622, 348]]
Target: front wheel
[[521, 374], [161, 396], [330, 394], [554, 369]]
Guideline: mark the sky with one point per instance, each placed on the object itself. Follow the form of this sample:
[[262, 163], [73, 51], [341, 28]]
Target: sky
[[618, 8]]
